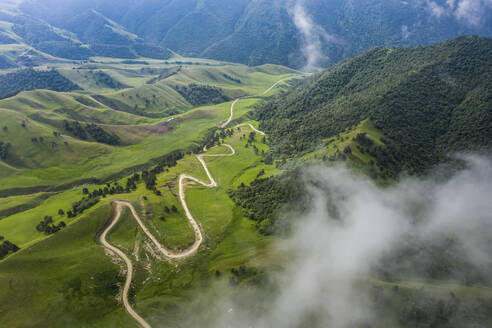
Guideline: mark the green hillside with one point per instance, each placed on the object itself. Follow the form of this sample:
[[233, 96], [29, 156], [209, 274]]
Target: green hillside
[[54, 139], [86, 286], [416, 98], [24, 80]]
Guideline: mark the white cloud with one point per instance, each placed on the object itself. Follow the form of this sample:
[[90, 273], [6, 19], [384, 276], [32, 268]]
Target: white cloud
[[469, 11], [313, 36], [405, 33], [435, 9], [352, 226]]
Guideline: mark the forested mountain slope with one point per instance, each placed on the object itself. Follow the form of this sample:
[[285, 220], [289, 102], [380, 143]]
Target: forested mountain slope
[[246, 31], [426, 101]]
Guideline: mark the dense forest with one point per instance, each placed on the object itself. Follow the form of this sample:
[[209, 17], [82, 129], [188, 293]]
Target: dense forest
[[264, 200], [427, 101], [91, 131], [199, 95], [4, 149], [30, 79], [104, 80], [256, 32]]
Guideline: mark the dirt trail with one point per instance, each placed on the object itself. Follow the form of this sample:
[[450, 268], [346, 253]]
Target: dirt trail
[[129, 267], [229, 119], [275, 84], [167, 253], [252, 128]]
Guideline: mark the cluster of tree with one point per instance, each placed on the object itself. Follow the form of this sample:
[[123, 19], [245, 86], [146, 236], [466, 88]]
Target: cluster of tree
[[108, 189], [215, 136], [188, 63], [224, 133], [174, 209], [131, 182], [230, 78], [200, 95], [164, 73], [101, 135], [428, 113], [363, 140], [104, 80], [75, 128], [150, 177], [48, 227], [134, 62], [80, 206], [263, 199], [92, 130], [6, 248], [239, 274], [211, 138], [30, 79], [387, 157], [4, 149]]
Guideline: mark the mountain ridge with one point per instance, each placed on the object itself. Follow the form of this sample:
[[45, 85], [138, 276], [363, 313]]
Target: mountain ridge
[[256, 32]]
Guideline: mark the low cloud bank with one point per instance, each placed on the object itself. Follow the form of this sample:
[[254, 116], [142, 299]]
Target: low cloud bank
[[355, 228]]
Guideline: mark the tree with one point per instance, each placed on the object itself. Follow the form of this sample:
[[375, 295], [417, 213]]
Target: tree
[[61, 212], [174, 209], [251, 137], [166, 209]]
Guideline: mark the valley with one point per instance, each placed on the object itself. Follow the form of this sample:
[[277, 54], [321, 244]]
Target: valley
[[212, 163]]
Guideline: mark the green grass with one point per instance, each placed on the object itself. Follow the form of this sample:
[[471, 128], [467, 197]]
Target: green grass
[[63, 160], [124, 232], [174, 231], [164, 293], [160, 289], [230, 239], [336, 145], [16, 204], [34, 290], [20, 228], [50, 106]]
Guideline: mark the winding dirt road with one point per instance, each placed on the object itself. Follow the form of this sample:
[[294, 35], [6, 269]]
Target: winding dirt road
[[251, 126], [167, 253], [229, 119]]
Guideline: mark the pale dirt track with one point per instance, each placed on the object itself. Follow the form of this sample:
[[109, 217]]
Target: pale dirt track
[[169, 254]]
